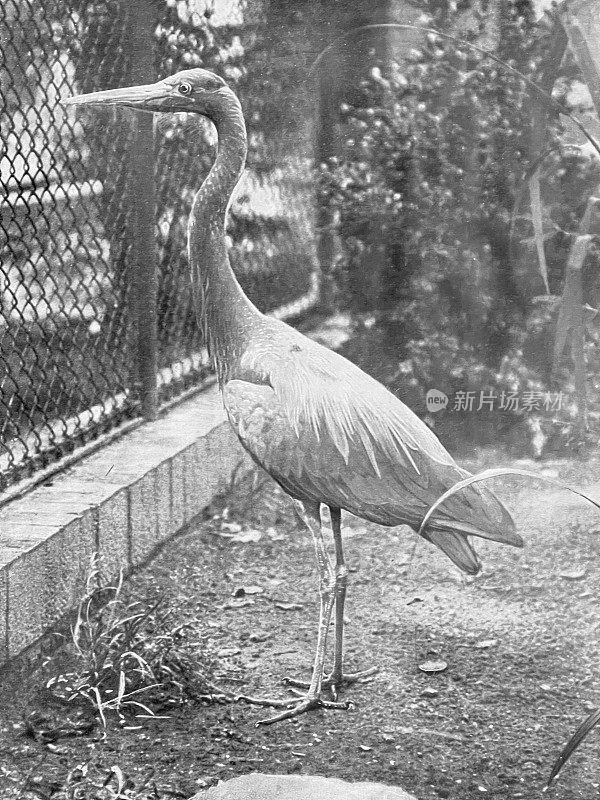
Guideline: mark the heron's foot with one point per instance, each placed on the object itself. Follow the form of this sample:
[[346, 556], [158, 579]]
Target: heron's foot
[[301, 706], [292, 707], [336, 682]]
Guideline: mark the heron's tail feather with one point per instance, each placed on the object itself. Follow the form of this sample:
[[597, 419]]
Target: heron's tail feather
[[476, 511], [457, 547], [504, 534], [485, 516]]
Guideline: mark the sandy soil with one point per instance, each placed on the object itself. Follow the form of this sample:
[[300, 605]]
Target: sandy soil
[[520, 642]]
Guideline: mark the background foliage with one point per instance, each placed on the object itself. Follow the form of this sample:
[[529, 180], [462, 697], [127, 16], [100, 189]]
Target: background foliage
[[438, 247], [449, 202]]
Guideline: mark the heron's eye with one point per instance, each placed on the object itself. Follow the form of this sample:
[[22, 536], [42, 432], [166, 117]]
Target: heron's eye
[[184, 88]]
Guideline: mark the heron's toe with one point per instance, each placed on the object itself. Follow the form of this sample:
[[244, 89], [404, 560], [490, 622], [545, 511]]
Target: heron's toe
[[301, 706]]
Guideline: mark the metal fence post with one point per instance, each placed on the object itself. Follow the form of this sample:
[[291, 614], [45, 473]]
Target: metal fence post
[[143, 210]]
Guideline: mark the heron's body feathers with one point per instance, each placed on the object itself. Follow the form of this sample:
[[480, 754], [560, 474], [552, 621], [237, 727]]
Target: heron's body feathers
[[329, 433]]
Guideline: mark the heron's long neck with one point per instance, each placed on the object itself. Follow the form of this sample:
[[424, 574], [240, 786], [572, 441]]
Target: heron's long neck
[[225, 312]]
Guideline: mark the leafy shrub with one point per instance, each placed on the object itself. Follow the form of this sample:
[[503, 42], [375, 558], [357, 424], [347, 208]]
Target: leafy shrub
[[431, 202], [130, 656]]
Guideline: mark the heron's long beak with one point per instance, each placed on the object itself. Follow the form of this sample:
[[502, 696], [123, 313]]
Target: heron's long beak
[[143, 98]]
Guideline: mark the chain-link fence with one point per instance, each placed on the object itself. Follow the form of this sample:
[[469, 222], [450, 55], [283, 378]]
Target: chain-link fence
[[69, 353]]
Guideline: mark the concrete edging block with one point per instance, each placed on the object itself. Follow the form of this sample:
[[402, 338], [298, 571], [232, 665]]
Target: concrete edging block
[[177, 464], [112, 535], [164, 502], [25, 601], [121, 502], [66, 558], [143, 519], [196, 477], [3, 608], [43, 577]]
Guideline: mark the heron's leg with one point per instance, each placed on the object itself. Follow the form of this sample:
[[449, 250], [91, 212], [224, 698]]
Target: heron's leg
[[338, 678], [327, 587], [341, 582], [312, 518]]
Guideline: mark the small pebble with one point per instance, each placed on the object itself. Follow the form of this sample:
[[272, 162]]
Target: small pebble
[[433, 665]]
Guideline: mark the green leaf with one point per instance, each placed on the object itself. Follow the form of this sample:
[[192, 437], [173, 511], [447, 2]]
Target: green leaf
[[573, 743], [538, 227], [494, 473]]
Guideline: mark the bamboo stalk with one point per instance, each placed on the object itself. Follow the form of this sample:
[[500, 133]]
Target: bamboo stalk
[[540, 110], [535, 199], [571, 314]]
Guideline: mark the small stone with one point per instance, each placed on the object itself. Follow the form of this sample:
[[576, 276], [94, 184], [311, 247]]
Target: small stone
[[573, 574], [245, 537], [415, 599], [238, 602], [433, 666], [259, 636], [486, 643], [231, 527], [55, 749]]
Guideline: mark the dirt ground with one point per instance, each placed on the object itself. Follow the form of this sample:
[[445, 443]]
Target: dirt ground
[[520, 642]]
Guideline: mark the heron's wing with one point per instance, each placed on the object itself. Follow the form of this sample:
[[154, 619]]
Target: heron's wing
[[329, 433]]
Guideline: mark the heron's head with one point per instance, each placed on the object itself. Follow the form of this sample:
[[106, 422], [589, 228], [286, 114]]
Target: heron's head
[[195, 90]]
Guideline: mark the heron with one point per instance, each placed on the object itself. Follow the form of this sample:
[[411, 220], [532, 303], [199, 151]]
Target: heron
[[328, 433]]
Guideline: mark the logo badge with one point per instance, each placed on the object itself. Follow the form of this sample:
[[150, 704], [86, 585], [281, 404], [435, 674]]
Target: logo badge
[[436, 400]]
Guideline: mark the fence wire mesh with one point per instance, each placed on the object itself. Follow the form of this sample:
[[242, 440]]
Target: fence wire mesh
[[67, 320]]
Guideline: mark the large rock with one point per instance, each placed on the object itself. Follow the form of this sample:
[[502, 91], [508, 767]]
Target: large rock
[[299, 787]]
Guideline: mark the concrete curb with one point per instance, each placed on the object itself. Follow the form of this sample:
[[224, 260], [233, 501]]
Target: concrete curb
[[122, 502]]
